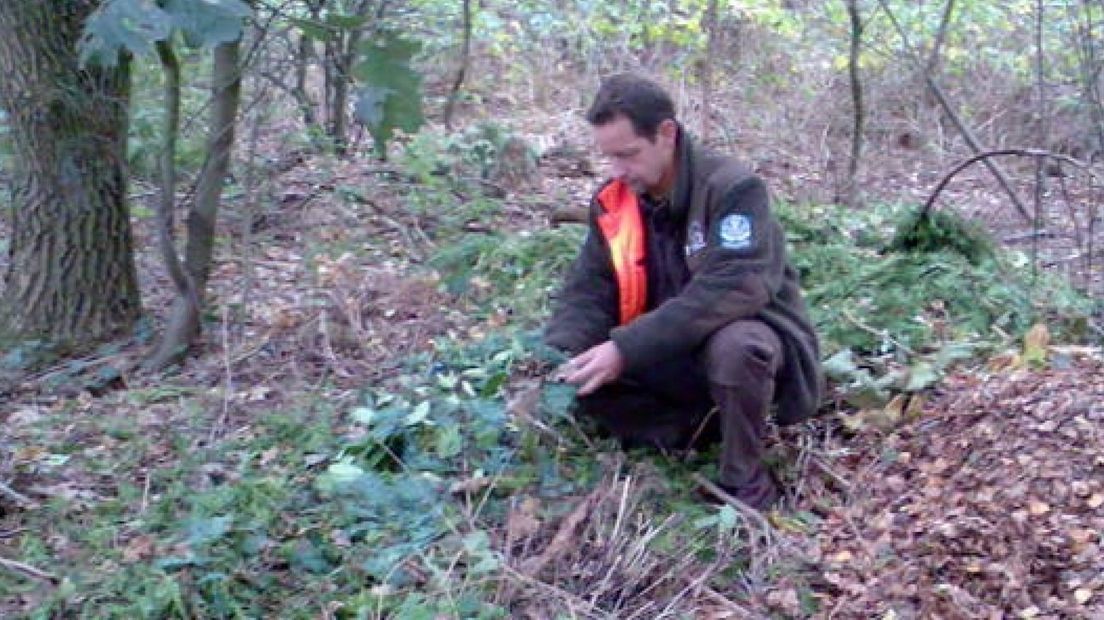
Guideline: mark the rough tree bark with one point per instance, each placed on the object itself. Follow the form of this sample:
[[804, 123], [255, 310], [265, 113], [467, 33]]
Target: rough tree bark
[[72, 277], [184, 323], [465, 59], [852, 191]]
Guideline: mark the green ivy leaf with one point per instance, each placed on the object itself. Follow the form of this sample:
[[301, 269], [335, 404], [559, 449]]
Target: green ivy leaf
[[921, 376], [306, 557], [313, 30], [556, 399], [206, 23], [727, 517], [118, 25], [202, 531], [449, 442], [347, 22], [391, 95]]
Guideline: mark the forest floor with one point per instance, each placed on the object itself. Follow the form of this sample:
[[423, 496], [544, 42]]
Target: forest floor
[[985, 501]]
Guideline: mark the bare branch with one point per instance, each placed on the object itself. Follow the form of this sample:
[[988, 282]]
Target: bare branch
[[997, 153]]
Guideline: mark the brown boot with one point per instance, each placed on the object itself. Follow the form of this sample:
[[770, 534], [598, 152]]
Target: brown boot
[[760, 494]]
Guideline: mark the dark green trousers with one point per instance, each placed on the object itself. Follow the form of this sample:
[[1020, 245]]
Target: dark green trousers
[[669, 405]]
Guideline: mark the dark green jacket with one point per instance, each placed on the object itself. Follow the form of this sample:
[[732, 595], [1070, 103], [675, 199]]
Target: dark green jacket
[[735, 251]]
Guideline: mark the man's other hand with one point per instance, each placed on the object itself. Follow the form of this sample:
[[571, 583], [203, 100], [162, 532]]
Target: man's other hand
[[593, 368]]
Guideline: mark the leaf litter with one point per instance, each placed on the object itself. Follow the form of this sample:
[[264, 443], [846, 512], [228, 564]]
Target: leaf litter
[[981, 499], [986, 506]]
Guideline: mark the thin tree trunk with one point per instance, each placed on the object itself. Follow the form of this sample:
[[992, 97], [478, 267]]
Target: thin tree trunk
[[940, 37], [329, 82], [304, 52], [166, 208], [852, 193], [709, 25], [1041, 127], [339, 113], [344, 57], [959, 124], [465, 58], [71, 276], [184, 323], [1090, 68]]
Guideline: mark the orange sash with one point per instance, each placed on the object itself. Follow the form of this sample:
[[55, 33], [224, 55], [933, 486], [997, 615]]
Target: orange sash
[[623, 229]]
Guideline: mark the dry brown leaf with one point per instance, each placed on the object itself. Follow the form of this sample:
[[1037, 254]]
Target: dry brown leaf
[[471, 485], [1037, 508], [139, 548], [1035, 344], [522, 522], [915, 407], [269, 455]]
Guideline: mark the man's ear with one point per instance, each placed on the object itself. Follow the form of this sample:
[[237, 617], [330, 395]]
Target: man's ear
[[668, 130]]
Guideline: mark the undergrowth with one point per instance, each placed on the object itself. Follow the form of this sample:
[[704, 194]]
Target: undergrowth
[[407, 503]]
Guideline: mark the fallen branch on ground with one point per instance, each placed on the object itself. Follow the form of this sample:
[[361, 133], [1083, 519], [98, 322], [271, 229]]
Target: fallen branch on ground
[[27, 569], [565, 536], [17, 496]]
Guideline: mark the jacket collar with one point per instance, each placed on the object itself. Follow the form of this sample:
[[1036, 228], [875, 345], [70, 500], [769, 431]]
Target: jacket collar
[[683, 188]]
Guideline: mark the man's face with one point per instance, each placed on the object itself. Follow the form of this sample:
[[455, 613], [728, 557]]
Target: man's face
[[645, 165]]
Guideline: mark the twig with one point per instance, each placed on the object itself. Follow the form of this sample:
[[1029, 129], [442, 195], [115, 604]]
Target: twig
[[228, 390], [697, 433], [555, 590], [27, 569], [16, 495], [145, 494], [749, 513], [725, 601], [875, 332], [561, 542], [828, 471]]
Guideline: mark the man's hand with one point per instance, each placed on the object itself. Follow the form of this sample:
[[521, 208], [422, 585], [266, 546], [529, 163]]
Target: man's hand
[[593, 368]]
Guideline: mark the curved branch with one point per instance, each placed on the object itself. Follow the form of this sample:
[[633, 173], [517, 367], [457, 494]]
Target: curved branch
[[959, 124], [997, 153], [167, 204]]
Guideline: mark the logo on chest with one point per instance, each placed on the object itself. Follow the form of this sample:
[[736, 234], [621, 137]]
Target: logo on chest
[[695, 238]]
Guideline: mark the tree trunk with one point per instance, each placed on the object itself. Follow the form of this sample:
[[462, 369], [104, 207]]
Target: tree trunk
[[851, 194], [72, 277], [344, 56], [304, 53], [465, 59], [709, 25], [184, 324]]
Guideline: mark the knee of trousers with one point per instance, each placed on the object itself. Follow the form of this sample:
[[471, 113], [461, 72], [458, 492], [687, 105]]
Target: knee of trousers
[[742, 351]]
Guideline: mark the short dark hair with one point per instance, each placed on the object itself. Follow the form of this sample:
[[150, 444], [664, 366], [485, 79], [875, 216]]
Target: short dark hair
[[638, 99]]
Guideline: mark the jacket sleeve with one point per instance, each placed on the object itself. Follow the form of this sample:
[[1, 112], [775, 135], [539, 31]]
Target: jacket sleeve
[[586, 307], [741, 267]]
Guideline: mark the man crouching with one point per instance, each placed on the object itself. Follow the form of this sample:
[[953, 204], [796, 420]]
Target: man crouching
[[682, 298]]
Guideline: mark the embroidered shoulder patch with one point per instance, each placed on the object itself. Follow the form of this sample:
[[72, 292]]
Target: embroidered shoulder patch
[[735, 232]]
